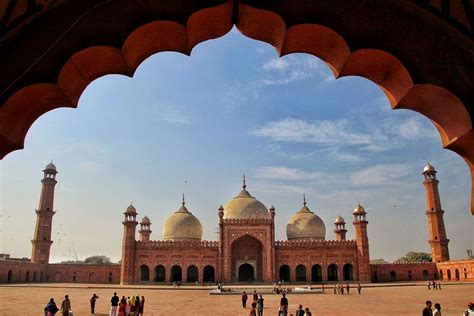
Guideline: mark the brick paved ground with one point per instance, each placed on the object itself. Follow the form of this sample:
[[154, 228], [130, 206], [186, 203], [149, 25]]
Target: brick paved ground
[[380, 300]]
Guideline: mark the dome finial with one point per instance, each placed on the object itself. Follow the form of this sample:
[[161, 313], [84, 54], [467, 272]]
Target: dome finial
[[304, 199], [244, 185], [182, 203]]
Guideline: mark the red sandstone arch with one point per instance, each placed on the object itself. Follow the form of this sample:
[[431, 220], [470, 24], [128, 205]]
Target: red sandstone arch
[[279, 24]]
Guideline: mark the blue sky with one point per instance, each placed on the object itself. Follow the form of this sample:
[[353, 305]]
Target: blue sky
[[196, 124]]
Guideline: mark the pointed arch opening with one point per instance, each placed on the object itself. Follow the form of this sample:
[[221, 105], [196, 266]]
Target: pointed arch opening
[[144, 273], [208, 274], [332, 272], [284, 273], [192, 274], [176, 274], [300, 273], [348, 272], [316, 273], [160, 273]]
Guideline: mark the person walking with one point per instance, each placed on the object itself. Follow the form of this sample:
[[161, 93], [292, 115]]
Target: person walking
[[244, 299], [322, 287], [92, 300], [66, 306], [299, 311], [359, 288], [429, 285], [50, 308], [114, 304], [427, 310], [260, 305], [437, 310], [347, 288], [307, 312], [255, 296]]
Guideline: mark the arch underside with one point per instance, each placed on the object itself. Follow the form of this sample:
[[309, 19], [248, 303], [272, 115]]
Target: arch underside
[[420, 61]]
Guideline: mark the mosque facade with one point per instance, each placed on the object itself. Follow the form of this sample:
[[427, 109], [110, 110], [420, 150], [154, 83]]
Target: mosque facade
[[246, 249]]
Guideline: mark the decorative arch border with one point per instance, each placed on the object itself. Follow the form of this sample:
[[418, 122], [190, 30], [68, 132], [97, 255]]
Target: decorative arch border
[[443, 108]]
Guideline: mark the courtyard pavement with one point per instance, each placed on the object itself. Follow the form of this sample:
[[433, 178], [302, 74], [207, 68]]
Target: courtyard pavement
[[376, 299]]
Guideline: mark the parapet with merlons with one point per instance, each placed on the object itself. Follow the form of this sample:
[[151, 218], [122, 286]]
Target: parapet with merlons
[[247, 221], [178, 243], [306, 243]]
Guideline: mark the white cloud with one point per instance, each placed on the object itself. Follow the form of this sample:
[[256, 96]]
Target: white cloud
[[282, 71], [172, 114], [338, 132], [285, 173], [379, 174], [414, 128]]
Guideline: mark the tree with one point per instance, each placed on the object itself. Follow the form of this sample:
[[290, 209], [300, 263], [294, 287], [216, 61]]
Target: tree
[[97, 260], [413, 256]]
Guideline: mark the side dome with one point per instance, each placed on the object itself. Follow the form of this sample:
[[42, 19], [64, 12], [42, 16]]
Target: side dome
[[339, 220], [305, 225], [131, 210], [50, 167], [145, 220], [359, 210], [182, 225], [245, 206], [428, 168]]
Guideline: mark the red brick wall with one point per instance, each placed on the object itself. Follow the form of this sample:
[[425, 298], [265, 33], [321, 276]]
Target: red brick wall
[[83, 273], [170, 253], [324, 253], [465, 270], [21, 272], [402, 272]]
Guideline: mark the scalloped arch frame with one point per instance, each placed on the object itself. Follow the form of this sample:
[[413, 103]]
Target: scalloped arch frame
[[440, 106]]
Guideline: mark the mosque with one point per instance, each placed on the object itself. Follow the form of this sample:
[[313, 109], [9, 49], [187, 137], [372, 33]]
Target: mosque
[[246, 249]]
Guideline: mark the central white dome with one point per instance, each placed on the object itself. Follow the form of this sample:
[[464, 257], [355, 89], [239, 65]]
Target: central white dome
[[245, 206]]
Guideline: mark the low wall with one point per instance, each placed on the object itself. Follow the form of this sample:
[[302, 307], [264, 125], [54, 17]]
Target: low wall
[[386, 272]]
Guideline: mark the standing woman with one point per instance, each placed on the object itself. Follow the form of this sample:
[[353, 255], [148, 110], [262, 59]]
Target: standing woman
[[122, 306], [127, 309], [142, 306], [93, 299], [66, 306], [132, 305]]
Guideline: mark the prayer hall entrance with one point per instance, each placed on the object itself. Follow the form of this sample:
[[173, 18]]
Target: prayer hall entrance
[[247, 259], [246, 273]]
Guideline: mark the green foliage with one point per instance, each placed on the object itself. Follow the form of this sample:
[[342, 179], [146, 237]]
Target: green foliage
[[413, 256], [98, 260]]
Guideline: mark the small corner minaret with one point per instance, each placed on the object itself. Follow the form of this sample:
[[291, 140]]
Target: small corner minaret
[[362, 241], [127, 271], [145, 230], [340, 229], [438, 240], [44, 217]]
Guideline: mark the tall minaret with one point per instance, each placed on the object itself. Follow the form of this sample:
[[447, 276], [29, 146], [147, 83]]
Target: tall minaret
[[340, 230], [128, 246], [362, 242], [438, 240], [44, 217], [145, 230]]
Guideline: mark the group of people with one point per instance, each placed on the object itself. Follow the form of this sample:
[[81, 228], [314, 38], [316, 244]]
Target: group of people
[[435, 285], [428, 311], [132, 305], [340, 288], [284, 308], [51, 308], [257, 303]]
